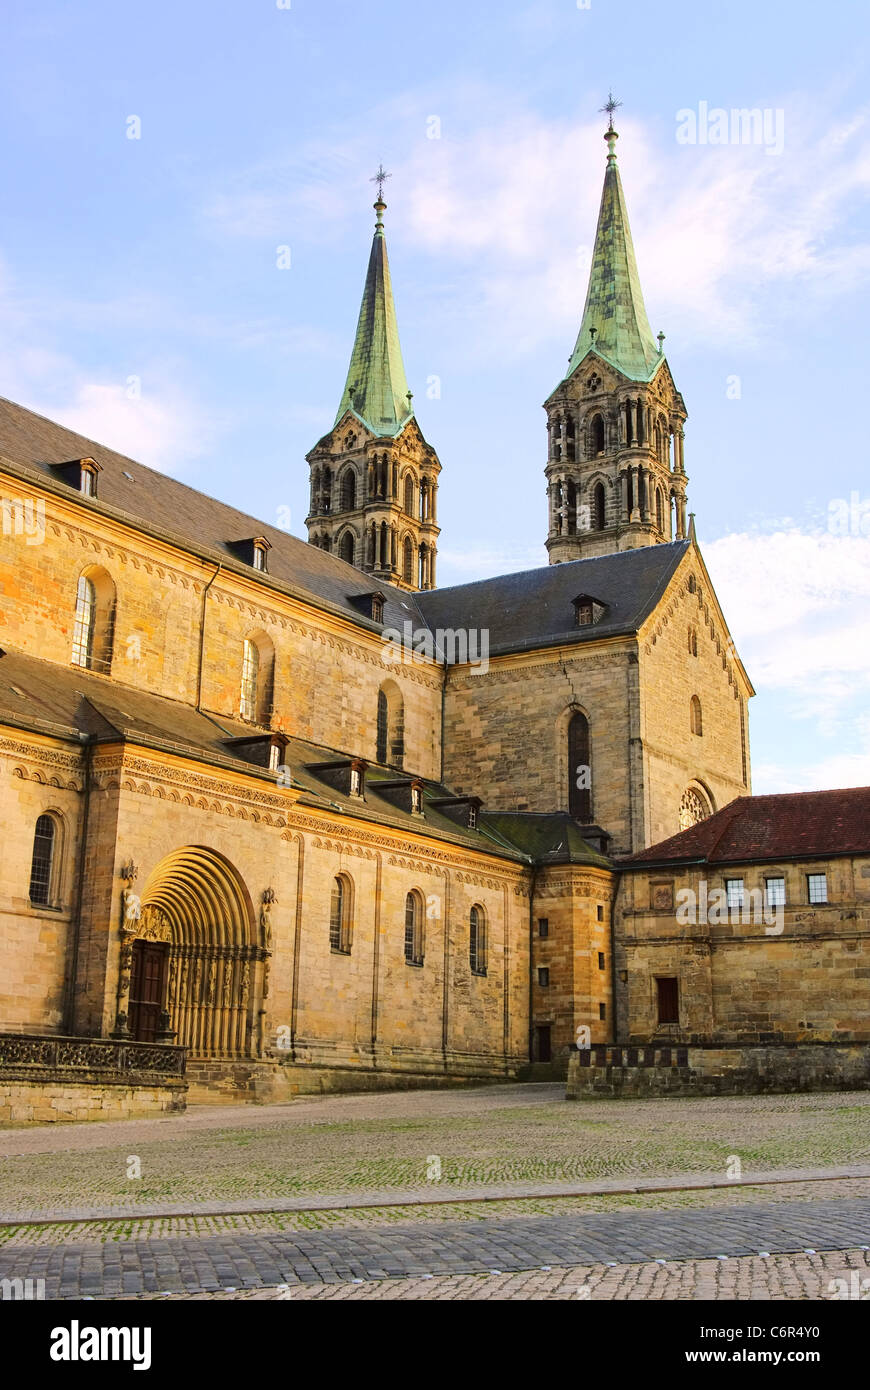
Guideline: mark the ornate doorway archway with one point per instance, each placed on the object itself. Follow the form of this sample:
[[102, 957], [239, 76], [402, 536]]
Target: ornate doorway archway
[[211, 987]]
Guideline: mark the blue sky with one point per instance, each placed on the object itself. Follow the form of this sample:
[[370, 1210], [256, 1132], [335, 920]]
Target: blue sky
[[157, 258]]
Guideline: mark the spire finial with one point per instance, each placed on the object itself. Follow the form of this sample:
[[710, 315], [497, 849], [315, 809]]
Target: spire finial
[[380, 205], [610, 134], [661, 339]]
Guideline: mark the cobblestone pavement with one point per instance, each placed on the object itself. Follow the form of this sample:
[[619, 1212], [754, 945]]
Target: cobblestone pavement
[[777, 1277], [503, 1141], [410, 1250]]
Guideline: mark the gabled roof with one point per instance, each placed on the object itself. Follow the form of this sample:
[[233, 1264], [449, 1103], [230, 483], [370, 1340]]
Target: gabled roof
[[791, 825], [535, 608], [181, 513], [614, 306], [376, 389]]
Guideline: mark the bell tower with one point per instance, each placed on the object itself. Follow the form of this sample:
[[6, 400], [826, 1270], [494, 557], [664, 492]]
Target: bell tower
[[616, 478], [374, 478]]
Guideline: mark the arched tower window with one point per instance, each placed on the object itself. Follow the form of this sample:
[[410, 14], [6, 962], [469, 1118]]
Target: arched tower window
[[477, 940], [598, 513], [408, 560], [346, 547], [597, 435], [409, 494], [340, 914], [42, 863], [695, 716], [348, 490], [250, 677], [579, 769], [414, 928], [660, 516]]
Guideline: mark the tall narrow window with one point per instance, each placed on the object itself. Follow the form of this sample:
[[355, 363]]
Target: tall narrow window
[[817, 888], [345, 548], [668, 999], [250, 670], [410, 490], [348, 491], [414, 929], [477, 941], [598, 507], [408, 561], [695, 716], [579, 771], [340, 916], [383, 726], [597, 436], [86, 616], [42, 863]]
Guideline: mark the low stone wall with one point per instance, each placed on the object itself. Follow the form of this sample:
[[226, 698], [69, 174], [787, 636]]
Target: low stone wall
[[51, 1079], [264, 1083], [709, 1070]]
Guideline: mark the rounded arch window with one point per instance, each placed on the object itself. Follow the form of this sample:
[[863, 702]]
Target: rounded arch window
[[694, 808], [346, 547], [477, 940], [44, 862], [414, 928]]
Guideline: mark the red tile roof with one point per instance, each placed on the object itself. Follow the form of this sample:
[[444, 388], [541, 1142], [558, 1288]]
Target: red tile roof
[[795, 825]]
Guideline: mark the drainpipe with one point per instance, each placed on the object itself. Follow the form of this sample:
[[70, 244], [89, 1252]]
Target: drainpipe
[[531, 953], [202, 639], [69, 999]]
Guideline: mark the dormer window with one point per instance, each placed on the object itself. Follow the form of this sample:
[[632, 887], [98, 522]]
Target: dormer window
[[253, 551], [88, 485], [274, 757], [416, 798], [377, 609], [472, 817], [371, 605], [588, 610], [80, 474], [357, 777]]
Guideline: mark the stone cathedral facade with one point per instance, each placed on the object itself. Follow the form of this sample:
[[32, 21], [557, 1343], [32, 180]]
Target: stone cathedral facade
[[233, 825]]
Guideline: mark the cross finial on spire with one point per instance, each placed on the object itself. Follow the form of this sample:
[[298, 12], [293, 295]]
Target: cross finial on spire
[[609, 107], [379, 178]]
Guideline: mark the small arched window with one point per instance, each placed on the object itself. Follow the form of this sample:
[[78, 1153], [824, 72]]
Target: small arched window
[[410, 492], [477, 940], [42, 864], [390, 725], [408, 561], [660, 511], [414, 928], [695, 716], [340, 915], [579, 769], [383, 726], [694, 808], [346, 547], [250, 675]]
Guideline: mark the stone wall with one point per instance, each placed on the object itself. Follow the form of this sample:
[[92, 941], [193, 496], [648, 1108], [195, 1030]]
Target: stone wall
[[802, 978], [632, 1072], [52, 1102]]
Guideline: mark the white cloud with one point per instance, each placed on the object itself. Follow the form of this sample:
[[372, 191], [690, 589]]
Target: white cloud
[[797, 605]]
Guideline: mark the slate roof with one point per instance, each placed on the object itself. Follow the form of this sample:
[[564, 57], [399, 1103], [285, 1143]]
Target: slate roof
[[791, 825], [69, 702], [196, 520], [546, 839], [535, 607]]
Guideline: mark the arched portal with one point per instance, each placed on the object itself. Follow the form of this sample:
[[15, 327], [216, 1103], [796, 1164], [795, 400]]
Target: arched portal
[[197, 908]]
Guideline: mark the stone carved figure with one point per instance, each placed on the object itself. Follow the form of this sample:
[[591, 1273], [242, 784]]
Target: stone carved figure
[[270, 897], [227, 997], [212, 982], [132, 909]]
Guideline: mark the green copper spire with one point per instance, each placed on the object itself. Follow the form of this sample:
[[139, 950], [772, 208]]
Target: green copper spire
[[376, 388], [614, 318]]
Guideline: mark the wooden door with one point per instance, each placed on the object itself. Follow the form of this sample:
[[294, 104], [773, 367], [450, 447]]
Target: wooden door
[[147, 986]]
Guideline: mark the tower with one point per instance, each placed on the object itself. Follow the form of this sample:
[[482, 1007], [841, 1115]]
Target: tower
[[615, 473], [374, 479]]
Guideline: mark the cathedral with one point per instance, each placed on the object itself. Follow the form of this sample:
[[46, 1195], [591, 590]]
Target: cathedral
[[290, 811]]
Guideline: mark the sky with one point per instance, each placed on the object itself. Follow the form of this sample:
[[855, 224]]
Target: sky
[[185, 221]]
